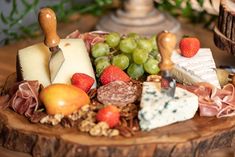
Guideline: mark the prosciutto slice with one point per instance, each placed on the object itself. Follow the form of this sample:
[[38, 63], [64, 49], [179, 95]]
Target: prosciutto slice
[[23, 98], [214, 101], [90, 38]]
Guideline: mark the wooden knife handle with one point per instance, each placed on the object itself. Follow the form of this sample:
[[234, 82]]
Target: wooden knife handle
[[166, 42], [47, 21]]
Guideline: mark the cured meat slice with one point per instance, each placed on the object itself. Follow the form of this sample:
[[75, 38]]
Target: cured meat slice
[[90, 38], [23, 98], [118, 93], [214, 101]]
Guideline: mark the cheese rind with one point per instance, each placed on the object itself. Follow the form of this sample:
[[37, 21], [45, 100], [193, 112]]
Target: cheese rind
[[34, 60], [199, 68], [159, 110]]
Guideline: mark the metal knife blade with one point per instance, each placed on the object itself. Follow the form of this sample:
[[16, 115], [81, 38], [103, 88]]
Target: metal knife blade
[[166, 42], [47, 21], [168, 84], [55, 62]]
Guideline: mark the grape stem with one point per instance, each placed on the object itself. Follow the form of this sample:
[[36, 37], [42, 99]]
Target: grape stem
[[113, 52]]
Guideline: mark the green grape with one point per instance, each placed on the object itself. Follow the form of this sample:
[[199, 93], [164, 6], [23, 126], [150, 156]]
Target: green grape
[[139, 56], [153, 40], [100, 49], [145, 44], [155, 54], [100, 66], [127, 45], [135, 71], [113, 39], [129, 55], [121, 60], [102, 58], [151, 66], [133, 35]]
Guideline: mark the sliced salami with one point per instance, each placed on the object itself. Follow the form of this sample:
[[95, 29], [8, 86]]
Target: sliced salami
[[119, 93]]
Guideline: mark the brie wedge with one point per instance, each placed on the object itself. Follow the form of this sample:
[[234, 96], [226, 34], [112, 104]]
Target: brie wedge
[[158, 109], [32, 62], [199, 68]]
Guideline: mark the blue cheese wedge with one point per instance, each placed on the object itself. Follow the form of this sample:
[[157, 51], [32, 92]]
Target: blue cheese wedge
[[159, 110], [199, 68]]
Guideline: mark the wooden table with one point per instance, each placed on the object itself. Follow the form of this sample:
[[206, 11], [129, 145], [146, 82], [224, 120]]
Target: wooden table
[[87, 23]]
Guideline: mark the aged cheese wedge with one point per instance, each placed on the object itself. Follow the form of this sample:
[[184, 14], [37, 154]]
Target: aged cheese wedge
[[200, 68], [159, 110], [32, 62]]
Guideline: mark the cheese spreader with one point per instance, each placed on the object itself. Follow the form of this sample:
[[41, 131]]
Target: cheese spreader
[[48, 23], [33, 62], [166, 42]]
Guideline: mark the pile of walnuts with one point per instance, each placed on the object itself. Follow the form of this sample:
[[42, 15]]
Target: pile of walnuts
[[95, 129], [85, 120]]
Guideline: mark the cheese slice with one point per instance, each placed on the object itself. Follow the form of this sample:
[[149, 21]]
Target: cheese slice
[[33, 62], [159, 110], [199, 68]]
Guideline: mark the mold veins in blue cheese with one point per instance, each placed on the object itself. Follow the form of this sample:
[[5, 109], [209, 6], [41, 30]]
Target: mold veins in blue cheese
[[32, 62], [159, 110]]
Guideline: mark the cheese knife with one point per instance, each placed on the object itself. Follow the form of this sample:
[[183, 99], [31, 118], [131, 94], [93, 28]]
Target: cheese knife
[[166, 42], [48, 23]]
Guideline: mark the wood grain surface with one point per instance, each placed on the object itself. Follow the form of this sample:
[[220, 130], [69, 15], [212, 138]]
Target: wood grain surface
[[191, 138], [194, 137], [224, 32]]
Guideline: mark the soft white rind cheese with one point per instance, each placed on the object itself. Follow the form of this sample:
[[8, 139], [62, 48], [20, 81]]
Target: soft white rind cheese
[[159, 110], [34, 62], [199, 68]]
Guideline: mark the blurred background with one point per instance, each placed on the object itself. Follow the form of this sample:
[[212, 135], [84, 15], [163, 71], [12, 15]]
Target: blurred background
[[18, 18]]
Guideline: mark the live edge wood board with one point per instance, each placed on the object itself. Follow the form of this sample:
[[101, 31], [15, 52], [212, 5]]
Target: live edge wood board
[[194, 137]]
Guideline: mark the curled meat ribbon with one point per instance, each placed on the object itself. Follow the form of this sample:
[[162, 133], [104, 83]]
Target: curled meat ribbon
[[214, 101], [90, 38], [22, 98]]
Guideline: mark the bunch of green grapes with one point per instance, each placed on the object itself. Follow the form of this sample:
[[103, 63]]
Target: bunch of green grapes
[[135, 54]]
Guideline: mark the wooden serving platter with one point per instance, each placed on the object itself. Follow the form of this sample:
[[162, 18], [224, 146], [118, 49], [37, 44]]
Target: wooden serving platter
[[194, 137], [190, 138]]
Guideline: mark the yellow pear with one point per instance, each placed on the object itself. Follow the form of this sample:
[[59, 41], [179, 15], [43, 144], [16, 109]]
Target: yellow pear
[[63, 98]]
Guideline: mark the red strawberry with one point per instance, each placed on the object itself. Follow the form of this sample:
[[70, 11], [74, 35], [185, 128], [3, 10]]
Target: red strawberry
[[189, 46], [113, 73], [109, 114], [82, 81]]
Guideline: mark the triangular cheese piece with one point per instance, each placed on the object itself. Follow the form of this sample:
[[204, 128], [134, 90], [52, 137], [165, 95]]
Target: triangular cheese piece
[[158, 109], [32, 62], [199, 68]]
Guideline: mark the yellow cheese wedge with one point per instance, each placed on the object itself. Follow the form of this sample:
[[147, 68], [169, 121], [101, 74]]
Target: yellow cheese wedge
[[32, 62]]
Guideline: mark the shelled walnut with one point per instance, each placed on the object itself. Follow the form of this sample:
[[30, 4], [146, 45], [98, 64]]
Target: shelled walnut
[[99, 129], [102, 129], [86, 125], [129, 111], [80, 113], [52, 119]]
